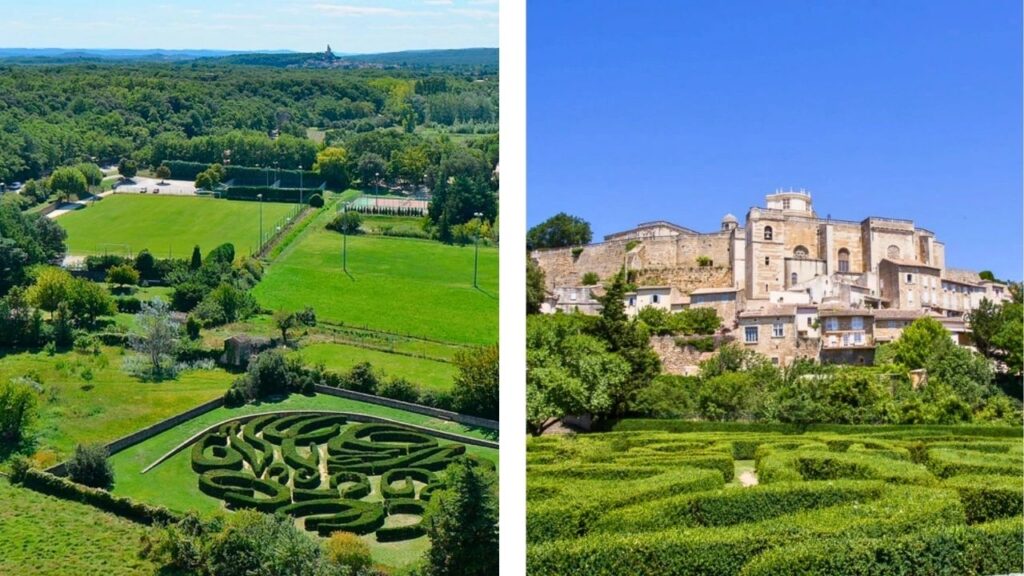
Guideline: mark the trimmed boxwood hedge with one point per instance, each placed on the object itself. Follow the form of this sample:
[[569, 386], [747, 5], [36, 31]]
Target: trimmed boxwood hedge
[[993, 548], [725, 550], [730, 507], [237, 465], [948, 462], [988, 497], [47, 483]]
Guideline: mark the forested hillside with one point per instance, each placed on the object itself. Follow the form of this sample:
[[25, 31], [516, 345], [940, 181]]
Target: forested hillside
[[55, 115]]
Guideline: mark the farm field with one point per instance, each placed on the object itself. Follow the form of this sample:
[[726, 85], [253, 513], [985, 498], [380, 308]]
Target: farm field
[[88, 398], [47, 535], [167, 224], [408, 286], [429, 374], [831, 500]]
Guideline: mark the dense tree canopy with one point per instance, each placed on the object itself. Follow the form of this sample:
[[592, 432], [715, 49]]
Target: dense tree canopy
[[559, 231], [56, 115]]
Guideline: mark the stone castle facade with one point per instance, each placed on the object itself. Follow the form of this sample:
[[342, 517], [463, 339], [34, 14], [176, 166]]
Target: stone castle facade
[[786, 282]]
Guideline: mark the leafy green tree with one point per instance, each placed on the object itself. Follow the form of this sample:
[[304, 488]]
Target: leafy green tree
[[123, 275], [534, 286], [591, 279], [87, 301], [155, 336], [349, 551], [332, 165], [67, 183], [369, 166], [162, 172], [51, 287], [348, 222], [145, 263], [258, 544], [629, 339], [462, 524], [1010, 338], [727, 396], [285, 321], [985, 322], [559, 231], [475, 390], [127, 168], [17, 411], [92, 173], [569, 370], [924, 337], [89, 466]]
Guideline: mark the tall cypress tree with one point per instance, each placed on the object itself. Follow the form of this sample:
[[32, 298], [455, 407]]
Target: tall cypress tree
[[463, 524], [197, 258]]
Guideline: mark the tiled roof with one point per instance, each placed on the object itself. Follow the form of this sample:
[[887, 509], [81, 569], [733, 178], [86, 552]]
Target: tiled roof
[[770, 310]]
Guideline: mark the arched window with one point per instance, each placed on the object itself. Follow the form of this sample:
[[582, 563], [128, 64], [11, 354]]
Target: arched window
[[800, 253], [844, 260], [893, 252], [792, 278], [767, 232]]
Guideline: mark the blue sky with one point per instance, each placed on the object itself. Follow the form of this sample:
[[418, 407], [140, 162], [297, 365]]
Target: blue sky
[[303, 25], [687, 110]]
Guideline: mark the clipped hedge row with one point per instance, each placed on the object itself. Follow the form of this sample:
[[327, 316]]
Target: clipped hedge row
[[886, 431], [47, 483], [359, 488], [581, 504], [993, 548], [730, 507], [804, 464], [409, 531], [725, 550], [238, 489], [947, 462], [212, 452], [989, 497]]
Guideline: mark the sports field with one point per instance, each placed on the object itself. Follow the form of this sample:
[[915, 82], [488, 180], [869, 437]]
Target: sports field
[[129, 223], [402, 285]]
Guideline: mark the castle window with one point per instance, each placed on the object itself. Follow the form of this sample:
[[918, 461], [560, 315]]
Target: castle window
[[844, 260], [800, 253], [893, 252], [767, 232], [785, 203], [910, 278], [654, 298], [792, 278], [750, 334], [767, 261], [778, 330]]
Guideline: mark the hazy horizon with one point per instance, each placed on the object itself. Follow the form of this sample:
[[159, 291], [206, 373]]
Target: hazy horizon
[[356, 27]]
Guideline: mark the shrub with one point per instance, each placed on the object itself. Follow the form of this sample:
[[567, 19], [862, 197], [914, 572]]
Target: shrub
[[130, 305], [89, 466], [475, 390], [347, 222], [348, 550], [362, 378], [63, 488], [400, 389], [591, 279], [123, 275]]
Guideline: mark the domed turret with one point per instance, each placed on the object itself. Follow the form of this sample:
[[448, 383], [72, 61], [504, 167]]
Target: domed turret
[[729, 222]]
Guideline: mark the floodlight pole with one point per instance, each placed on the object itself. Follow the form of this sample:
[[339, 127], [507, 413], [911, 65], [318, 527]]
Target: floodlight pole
[[476, 245], [344, 242], [260, 197], [300, 184], [376, 184]]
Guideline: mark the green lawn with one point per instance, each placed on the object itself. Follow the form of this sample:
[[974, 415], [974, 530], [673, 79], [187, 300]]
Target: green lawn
[[43, 535], [76, 409], [409, 286], [429, 374], [167, 224]]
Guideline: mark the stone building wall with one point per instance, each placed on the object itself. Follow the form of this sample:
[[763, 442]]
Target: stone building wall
[[679, 360]]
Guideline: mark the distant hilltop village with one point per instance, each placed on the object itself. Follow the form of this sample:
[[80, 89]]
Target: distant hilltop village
[[787, 283]]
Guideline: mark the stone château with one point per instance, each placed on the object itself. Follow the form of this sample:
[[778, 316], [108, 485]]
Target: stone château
[[787, 282]]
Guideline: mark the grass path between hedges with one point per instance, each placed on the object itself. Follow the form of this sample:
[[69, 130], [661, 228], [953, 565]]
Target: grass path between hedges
[[44, 535]]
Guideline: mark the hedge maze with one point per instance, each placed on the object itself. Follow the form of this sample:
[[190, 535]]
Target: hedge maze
[[329, 474], [913, 500]]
